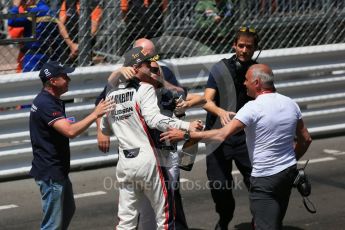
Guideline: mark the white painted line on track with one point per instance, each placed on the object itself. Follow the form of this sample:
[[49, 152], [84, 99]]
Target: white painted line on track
[[235, 172], [311, 161], [333, 152], [317, 160], [3, 207], [330, 151], [88, 194]]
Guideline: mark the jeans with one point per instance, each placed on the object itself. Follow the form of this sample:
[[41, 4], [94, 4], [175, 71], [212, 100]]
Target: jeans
[[57, 203]]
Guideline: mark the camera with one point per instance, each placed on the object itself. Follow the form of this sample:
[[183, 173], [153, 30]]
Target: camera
[[303, 186], [302, 183]]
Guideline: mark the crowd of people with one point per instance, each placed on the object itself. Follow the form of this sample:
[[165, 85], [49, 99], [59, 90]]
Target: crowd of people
[[206, 21], [248, 122], [57, 26], [56, 31]]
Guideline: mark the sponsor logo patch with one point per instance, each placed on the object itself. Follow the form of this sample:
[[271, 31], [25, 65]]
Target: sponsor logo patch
[[131, 153], [70, 119]]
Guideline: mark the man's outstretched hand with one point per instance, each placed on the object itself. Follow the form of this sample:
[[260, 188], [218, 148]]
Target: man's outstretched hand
[[196, 125], [172, 135]]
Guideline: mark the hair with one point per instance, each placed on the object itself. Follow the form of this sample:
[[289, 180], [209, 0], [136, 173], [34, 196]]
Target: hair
[[47, 83], [247, 31], [266, 77]]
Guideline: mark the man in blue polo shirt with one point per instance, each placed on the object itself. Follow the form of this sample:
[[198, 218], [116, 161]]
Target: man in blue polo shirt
[[50, 132]]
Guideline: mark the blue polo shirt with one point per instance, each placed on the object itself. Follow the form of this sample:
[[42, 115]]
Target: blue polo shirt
[[50, 148]]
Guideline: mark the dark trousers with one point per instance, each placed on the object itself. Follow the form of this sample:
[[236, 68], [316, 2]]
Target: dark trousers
[[219, 167], [269, 198]]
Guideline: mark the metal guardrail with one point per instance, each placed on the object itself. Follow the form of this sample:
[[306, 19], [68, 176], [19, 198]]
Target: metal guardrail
[[313, 76]]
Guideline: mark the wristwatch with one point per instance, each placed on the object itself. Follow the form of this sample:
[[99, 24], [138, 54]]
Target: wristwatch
[[186, 136]]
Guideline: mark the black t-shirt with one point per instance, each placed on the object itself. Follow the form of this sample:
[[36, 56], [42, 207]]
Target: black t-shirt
[[169, 76], [224, 75], [50, 148]]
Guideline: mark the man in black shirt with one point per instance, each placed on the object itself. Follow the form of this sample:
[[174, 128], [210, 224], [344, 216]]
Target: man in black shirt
[[225, 94], [50, 131]]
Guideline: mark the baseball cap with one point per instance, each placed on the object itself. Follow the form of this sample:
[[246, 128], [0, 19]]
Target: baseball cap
[[136, 56], [54, 69]]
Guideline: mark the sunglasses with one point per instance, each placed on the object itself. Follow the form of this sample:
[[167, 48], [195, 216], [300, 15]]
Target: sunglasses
[[155, 70], [155, 58], [247, 29]]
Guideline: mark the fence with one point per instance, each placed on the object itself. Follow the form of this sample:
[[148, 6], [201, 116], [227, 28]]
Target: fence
[[182, 28], [312, 76]]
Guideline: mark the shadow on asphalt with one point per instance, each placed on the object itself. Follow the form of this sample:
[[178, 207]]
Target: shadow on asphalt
[[291, 228], [243, 226], [248, 226]]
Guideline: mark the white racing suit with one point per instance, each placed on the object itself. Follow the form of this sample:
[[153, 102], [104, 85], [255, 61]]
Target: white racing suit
[[138, 171], [169, 160]]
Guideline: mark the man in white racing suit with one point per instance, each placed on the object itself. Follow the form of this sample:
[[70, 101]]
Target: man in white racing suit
[[138, 170]]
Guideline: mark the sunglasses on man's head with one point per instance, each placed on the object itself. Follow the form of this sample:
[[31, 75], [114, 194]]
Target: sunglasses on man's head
[[155, 58], [247, 29]]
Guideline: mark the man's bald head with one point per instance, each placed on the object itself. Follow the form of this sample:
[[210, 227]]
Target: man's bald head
[[146, 44], [262, 67], [264, 73]]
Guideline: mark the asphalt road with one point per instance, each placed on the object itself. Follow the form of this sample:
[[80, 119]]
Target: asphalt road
[[97, 196]]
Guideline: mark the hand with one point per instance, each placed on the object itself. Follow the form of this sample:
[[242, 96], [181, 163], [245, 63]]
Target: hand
[[196, 125], [172, 135], [17, 2], [103, 107], [217, 18], [182, 104], [74, 50], [127, 72], [103, 142], [225, 117]]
